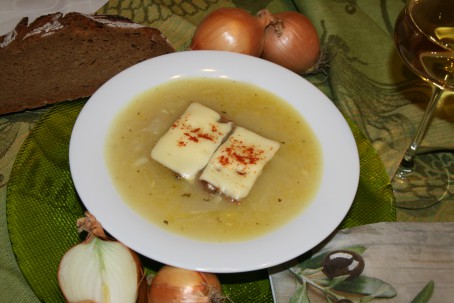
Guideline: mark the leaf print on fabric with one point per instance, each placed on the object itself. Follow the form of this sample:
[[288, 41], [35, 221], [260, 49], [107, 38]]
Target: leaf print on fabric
[[379, 109], [425, 294], [8, 135], [13, 129], [149, 12], [341, 287], [350, 6], [252, 6]]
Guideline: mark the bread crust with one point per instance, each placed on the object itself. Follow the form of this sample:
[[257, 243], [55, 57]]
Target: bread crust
[[67, 57]]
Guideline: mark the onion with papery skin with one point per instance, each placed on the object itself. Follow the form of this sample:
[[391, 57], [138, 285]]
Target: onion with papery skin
[[230, 29], [100, 270], [178, 285], [291, 41]]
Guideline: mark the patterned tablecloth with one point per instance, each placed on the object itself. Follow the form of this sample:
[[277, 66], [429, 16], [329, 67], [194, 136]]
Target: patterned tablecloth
[[365, 78]]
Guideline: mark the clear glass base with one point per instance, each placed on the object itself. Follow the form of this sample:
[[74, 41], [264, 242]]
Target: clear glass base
[[425, 181]]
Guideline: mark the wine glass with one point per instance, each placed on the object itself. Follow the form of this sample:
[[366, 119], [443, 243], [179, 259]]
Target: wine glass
[[424, 37]]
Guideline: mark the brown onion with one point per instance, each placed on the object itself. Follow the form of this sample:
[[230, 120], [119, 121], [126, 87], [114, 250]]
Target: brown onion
[[291, 40], [178, 285], [230, 29]]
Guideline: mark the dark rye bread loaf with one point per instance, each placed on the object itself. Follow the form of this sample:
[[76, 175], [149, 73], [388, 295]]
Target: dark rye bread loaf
[[66, 57]]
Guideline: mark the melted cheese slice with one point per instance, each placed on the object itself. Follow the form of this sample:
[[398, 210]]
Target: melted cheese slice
[[238, 162], [191, 140]]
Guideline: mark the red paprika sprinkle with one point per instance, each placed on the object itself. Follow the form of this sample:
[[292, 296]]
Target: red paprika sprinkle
[[190, 137], [193, 134], [224, 161], [205, 136], [244, 154]]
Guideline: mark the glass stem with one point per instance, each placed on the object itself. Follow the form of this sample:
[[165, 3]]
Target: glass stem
[[407, 163]]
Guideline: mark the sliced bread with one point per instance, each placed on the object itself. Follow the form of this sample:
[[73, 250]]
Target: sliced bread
[[66, 57]]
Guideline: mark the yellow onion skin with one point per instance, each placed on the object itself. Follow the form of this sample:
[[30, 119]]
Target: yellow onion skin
[[298, 46], [177, 285], [230, 29]]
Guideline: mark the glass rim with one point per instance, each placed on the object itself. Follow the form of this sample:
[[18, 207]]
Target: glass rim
[[414, 5]]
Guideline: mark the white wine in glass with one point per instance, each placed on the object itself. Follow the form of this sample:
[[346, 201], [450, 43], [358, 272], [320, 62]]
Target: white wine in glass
[[424, 37]]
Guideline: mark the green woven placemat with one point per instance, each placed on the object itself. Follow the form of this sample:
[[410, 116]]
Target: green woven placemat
[[42, 207]]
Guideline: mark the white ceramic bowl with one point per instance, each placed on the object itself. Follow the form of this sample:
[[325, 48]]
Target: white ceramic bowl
[[93, 183]]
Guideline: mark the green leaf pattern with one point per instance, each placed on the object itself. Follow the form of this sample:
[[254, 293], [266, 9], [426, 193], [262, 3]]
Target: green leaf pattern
[[300, 295], [367, 286], [425, 294], [362, 288]]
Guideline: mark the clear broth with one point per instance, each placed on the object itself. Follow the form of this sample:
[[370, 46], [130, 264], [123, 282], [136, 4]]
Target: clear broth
[[288, 182]]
